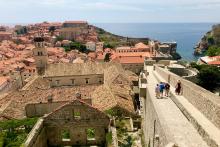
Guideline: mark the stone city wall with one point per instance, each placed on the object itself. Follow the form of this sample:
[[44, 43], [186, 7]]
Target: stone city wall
[[37, 137], [205, 101], [152, 124]]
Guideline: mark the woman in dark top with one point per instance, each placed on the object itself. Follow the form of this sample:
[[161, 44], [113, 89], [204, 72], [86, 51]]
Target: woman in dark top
[[178, 87], [167, 89]]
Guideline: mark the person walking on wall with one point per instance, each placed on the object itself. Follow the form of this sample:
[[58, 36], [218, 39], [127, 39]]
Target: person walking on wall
[[162, 86], [167, 89], [157, 91], [178, 87]]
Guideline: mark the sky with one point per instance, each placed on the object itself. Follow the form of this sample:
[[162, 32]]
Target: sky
[[110, 11]]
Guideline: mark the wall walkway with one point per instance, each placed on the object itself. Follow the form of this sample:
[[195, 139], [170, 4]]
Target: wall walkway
[[164, 122]]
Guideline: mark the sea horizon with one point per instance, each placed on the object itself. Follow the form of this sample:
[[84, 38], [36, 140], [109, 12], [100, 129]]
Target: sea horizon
[[187, 35]]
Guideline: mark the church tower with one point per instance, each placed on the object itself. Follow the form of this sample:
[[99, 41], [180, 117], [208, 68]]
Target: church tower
[[40, 55]]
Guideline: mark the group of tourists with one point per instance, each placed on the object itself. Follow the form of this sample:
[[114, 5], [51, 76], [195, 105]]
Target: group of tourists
[[163, 89]]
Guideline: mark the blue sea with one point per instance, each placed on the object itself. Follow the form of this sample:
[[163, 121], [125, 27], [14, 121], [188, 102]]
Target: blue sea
[[187, 35]]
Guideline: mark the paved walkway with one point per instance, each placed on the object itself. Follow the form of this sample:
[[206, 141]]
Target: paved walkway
[[175, 124]]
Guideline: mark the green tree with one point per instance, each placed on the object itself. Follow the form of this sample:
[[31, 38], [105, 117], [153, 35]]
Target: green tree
[[78, 46], [210, 40], [52, 29], [129, 142], [209, 77], [108, 45], [107, 57], [12, 134], [213, 51], [59, 38], [176, 56]]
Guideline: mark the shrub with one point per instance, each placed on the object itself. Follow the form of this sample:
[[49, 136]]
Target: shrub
[[176, 56], [14, 132], [109, 137], [209, 76], [213, 51]]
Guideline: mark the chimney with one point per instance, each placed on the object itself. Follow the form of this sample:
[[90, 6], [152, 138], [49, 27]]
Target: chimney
[[78, 95], [50, 99]]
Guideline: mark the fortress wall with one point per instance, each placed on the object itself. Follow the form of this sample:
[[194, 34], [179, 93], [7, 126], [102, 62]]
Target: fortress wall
[[152, 124], [205, 101], [37, 136]]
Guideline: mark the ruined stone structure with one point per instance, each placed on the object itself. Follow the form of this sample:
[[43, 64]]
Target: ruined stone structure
[[74, 123]]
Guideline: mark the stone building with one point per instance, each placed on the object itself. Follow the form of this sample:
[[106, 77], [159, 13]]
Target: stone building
[[91, 46], [68, 74], [72, 33], [75, 24], [168, 47], [72, 124], [5, 36]]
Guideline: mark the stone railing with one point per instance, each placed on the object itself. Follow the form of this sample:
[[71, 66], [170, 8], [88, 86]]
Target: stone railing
[[205, 101]]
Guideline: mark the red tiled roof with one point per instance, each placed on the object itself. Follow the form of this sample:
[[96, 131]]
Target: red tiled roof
[[3, 80], [216, 57], [134, 54], [141, 45], [214, 63]]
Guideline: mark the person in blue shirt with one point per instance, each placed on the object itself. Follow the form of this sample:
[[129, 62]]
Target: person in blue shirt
[[162, 87]]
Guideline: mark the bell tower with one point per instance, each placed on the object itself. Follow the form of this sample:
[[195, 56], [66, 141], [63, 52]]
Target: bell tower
[[40, 55]]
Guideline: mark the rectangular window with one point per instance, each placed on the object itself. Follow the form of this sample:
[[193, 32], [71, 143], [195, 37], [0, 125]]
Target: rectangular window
[[76, 114], [40, 53], [65, 134], [87, 81], [90, 134], [100, 80], [72, 81]]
